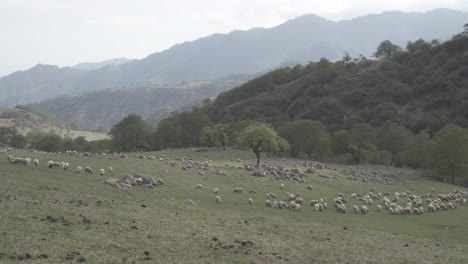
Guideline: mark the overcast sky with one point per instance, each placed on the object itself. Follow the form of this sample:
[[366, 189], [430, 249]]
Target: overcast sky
[[66, 32]]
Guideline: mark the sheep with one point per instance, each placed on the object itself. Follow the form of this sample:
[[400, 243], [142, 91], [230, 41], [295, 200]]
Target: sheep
[[318, 207], [379, 208], [325, 205], [88, 170], [407, 210], [275, 204], [110, 170], [215, 190], [271, 195], [282, 204], [291, 197], [451, 206], [341, 195], [282, 186], [198, 186], [250, 201], [364, 209], [252, 191], [309, 188], [298, 200], [238, 190], [390, 210], [416, 211], [102, 171], [313, 202], [369, 201], [353, 195], [355, 209], [218, 199], [341, 208], [51, 164], [36, 162], [28, 160], [65, 165], [297, 207], [78, 169], [268, 203]]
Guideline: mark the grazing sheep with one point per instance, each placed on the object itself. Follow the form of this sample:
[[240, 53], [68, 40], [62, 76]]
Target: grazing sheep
[[271, 195], [252, 191], [78, 169], [250, 201], [325, 205], [353, 195], [451, 206], [318, 207], [66, 165], [407, 210], [238, 190], [50, 164], [110, 170], [298, 200], [341, 195], [364, 209], [102, 171], [218, 199], [309, 188], [390, 210], [215, 190], [341, 208], [88, 170], [275, 204], [416, 211], [282, 186], [355, 209], [36, 162], [379, 208], [188, 202], [198, 186], [268, 203]]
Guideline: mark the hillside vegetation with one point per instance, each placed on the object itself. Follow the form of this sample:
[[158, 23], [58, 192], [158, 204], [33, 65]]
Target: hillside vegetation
[[57, 216], [422, 88], [102, 109], [24, 121], [306, 38]]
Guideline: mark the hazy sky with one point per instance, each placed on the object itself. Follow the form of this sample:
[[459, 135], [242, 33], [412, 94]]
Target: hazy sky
[[66, 32]]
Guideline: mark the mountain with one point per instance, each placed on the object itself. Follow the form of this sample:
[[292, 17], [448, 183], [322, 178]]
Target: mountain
[[104, 108], [88, 66], [307, 38], [421, 89]]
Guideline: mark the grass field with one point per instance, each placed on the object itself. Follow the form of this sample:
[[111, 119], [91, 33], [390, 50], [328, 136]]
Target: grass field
[[55, 216]]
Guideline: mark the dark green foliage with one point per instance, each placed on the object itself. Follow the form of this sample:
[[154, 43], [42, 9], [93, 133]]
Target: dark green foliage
[[181, 130], [46, 142], [260, 138], [387, 50], [18, 141], [130, 134], [450, 154]]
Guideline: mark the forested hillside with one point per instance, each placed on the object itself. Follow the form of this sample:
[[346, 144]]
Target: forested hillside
[[422, 88]]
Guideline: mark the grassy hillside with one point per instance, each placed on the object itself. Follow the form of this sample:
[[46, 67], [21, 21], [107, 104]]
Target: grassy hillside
[[25, 120], [422, 88], [68, 216]]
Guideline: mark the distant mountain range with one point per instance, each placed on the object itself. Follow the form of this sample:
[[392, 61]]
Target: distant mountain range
[[88, 66], [303, 39]]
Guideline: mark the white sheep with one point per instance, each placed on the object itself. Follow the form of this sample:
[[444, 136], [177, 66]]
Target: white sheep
[[66, 165], [268, 203], [102, 171], [36, 162], [110, 170], [78, 169], [341, 208], [218, 199], [355, 209], [282, 186], [88, 170], [215, 190], [250, 201], [364, 209], [198, 186], [379, 208]]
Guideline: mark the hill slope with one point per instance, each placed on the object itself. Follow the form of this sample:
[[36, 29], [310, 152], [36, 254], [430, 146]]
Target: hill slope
[[23, 121], [240, 52], [421, 89], [105, 108], [87, 66]]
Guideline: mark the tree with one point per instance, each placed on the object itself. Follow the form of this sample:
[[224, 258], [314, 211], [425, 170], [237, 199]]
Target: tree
[[208, 137], [393, 138], [49, 142], [418, 45], [129, 134], [466, 28], [450, 153], [360, 142], [260, 138], [18, 141], [306, 136], [418, 151], [387, 50]]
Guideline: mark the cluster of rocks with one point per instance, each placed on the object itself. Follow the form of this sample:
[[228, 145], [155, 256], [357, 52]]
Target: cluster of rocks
[[379, 174], [126, 182], [278, 169]]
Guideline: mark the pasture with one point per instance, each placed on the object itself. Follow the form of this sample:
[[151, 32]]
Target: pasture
[[56, 216]]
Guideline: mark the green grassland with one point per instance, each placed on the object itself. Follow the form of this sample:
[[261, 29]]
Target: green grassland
[[76, 217]]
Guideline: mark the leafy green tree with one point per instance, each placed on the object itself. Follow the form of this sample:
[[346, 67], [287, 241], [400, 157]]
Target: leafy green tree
[[47, 142], [394, 139], [221, 135], [260, 138], [450, 153], [417, 153], [18, 141], [306, 136], [418, 45], [208, 137], [387, 50], [129, 134], [361, 141]]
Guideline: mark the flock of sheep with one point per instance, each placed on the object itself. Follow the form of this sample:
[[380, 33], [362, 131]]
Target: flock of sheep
[[410, 203]]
